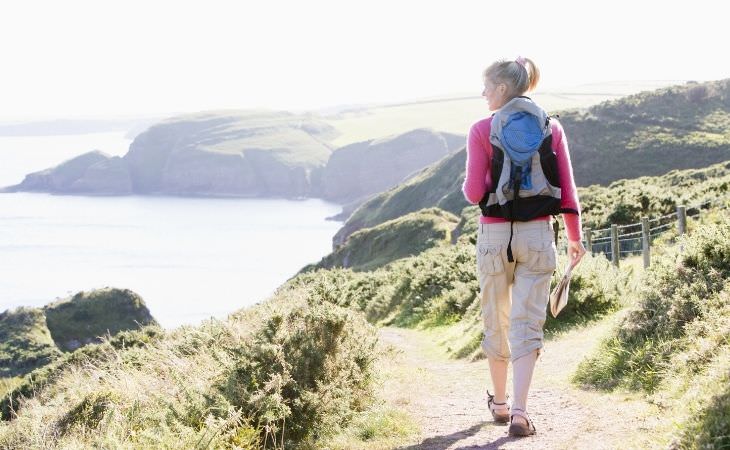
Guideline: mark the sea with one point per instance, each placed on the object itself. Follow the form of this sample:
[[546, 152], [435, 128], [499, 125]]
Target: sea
[[190, 259]]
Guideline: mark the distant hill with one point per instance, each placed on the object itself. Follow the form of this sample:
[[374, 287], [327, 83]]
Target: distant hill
[[250, 154], [264, 153], [651, 133]]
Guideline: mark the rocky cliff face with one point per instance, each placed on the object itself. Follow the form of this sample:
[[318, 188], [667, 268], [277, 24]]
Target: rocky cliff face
[[373, 166], [91, 173]]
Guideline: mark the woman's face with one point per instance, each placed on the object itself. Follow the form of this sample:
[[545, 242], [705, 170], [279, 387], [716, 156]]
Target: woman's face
[[495, 94]]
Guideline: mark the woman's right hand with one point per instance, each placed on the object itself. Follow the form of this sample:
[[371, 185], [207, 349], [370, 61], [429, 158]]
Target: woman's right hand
[[576, 250]]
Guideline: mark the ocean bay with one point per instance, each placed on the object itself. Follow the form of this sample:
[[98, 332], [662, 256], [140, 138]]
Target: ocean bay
[[189, 258]]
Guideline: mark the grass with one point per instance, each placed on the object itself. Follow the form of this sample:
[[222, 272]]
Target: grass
[[25, 343], [673, 345], [288, 372]]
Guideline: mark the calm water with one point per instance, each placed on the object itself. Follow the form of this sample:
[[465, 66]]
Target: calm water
[[189, 258]]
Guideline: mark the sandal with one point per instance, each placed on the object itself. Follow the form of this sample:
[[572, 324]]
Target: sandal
[[518, 429], [499, 417]]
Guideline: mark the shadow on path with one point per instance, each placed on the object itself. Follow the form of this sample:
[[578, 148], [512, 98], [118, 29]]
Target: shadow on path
[[444, 442]]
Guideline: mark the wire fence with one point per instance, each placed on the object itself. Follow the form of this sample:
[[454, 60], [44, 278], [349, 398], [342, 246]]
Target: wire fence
[[637, 238]]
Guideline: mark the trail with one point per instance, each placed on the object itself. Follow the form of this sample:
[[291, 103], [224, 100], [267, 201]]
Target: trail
[[447, 398]]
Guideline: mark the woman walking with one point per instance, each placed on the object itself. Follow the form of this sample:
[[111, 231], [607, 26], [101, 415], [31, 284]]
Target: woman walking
[[518, 170]]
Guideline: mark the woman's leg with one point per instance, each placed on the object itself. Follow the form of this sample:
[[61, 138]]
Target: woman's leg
[[495, 278], [522, 369], [498, 371], [536, 258]]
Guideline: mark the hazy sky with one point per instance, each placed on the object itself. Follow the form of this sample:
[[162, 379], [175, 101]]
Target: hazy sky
[[96, 58]]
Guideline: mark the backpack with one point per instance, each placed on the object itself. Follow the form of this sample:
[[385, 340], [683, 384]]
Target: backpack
[[524, 169]]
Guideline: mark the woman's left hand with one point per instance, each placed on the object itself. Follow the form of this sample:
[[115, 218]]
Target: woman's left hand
[[576, 250]]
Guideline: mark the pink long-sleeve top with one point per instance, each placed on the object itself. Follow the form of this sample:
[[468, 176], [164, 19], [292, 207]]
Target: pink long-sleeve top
[[479, 180]]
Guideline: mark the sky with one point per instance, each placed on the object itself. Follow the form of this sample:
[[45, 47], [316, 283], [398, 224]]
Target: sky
[[68, 59]]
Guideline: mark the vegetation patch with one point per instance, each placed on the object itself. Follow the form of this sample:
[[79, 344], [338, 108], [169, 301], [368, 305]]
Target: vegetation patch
[[675, 342], [87, 316]]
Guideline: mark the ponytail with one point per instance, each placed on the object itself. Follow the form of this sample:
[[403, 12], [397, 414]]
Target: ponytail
[[520, 75]]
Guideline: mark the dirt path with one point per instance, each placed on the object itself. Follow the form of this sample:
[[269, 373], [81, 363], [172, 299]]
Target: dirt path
[[447, 398]]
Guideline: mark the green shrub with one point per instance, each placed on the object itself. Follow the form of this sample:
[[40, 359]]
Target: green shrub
[[87, 316], [304, 373]]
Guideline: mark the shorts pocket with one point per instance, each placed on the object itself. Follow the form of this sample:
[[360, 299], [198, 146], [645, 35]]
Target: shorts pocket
[[489, 258], [542, 256]]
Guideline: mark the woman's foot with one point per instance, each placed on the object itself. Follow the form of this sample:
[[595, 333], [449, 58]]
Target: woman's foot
[[500, 411], [520, 423]]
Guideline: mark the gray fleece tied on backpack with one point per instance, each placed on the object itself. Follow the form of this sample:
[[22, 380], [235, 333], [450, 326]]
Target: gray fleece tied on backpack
[[519, 128]]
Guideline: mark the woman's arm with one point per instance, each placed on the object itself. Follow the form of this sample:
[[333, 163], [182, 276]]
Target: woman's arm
[[568, 193], [478, 153]]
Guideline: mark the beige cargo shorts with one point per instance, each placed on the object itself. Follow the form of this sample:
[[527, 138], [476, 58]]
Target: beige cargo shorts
[[514, 296]]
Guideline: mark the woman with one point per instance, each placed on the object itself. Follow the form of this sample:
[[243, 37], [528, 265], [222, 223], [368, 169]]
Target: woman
[[516, 254]]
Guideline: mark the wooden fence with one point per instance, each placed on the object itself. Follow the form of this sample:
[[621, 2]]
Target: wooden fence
[[618, 241]]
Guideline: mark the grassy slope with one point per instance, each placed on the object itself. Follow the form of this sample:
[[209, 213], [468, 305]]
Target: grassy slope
[[650, 133], [405, 236], [229, 132], [25, 342], [435, 186], [674, 343], [297, 363]]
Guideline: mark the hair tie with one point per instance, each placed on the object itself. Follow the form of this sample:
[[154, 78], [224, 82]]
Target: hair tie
[[521, 61]]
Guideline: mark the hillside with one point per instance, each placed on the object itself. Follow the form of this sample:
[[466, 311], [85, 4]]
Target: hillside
[[436, 186], [650, 133], [700, 106], [25, 341], [370, 167], [408, 235], [265, 153]]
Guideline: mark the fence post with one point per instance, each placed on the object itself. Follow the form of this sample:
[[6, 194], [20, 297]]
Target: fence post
[[615, 252], [589, 241], [645, 240], [681, 220]]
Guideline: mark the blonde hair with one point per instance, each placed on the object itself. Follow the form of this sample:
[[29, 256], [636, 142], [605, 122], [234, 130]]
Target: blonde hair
[[520, 77]]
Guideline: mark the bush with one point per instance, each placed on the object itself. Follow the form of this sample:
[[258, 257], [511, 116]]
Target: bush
[[304, 373]]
